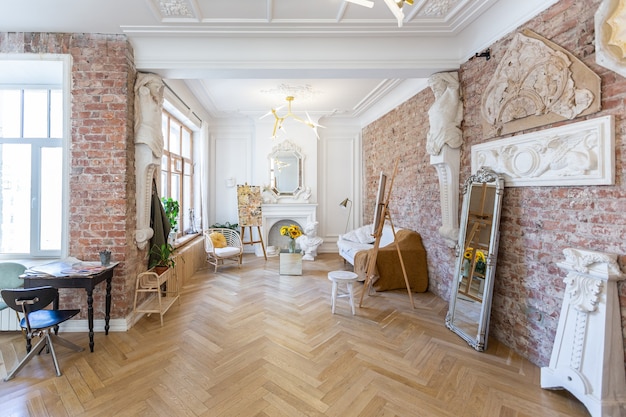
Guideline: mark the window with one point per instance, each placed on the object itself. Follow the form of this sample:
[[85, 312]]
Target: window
[[177, 168], [31, 159]]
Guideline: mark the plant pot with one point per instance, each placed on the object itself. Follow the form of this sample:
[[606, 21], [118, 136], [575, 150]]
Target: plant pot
[[105, 258], [160, 269]]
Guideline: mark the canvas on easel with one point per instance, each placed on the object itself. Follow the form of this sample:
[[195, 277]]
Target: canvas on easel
[[381, 214], [250, 202]]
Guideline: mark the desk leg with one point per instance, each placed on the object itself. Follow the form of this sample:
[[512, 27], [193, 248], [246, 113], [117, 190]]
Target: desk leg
[[107, 312], [90, 317]]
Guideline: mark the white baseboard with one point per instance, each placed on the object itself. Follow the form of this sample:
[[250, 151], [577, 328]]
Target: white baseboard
[[115, 325]]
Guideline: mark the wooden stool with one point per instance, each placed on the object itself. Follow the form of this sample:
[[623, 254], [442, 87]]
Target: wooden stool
[[338, 277]]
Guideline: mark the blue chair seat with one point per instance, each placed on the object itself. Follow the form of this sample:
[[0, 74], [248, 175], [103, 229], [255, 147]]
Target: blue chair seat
[[42, 319]]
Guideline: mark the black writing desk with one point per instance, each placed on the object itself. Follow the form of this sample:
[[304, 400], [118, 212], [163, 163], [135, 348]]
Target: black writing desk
[[83, 279]]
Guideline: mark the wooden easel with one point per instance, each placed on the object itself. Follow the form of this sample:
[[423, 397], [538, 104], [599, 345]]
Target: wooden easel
[[252, 241], [378, 231]]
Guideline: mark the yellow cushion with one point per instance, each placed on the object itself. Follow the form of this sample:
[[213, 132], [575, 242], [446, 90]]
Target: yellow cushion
[[218, 239]]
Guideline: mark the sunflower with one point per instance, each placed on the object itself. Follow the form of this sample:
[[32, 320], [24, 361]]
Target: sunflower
[[292, 231]]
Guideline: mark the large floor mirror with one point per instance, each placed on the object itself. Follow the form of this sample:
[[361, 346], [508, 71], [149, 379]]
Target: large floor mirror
[[476, 257]]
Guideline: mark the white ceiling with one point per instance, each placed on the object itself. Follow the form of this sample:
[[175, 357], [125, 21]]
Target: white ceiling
[[336, 58]]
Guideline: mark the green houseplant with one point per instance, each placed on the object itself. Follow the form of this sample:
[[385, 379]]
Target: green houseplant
[[162, 259], [172, 208]]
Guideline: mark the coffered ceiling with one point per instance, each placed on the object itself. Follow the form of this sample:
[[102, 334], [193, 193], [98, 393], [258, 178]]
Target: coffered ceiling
[[336, 57]]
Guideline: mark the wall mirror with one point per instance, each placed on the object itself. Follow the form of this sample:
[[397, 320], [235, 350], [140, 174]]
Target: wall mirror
[[286, 170], [476, 256]]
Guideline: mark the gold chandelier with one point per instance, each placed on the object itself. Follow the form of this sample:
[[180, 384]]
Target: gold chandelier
[[394, 5], [279, 120]]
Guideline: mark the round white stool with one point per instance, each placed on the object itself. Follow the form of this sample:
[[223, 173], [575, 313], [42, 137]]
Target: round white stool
[[338, 277]]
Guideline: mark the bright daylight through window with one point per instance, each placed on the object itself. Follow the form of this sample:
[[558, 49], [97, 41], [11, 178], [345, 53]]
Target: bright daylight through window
[[31, 158]]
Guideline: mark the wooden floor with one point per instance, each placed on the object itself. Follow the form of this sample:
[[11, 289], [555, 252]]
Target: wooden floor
[[248, 342]]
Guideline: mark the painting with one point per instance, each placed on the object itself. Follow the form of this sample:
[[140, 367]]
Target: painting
[[249, 201]]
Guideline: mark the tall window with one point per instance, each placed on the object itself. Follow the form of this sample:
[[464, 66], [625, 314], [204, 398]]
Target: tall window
[[31, 155], [177, 168]]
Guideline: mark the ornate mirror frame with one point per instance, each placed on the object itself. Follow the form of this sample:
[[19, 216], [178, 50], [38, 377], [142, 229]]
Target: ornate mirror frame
[[286, 170], [476, 255]]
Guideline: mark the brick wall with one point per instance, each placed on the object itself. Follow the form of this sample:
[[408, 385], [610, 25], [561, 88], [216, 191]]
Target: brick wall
[[102, 178], [537, 222]]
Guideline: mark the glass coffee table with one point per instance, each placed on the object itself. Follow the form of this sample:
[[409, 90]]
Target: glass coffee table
[[290, 263]]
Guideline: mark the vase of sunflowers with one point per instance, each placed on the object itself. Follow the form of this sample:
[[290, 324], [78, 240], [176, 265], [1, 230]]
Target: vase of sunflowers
[[292, 232], [480, 262]]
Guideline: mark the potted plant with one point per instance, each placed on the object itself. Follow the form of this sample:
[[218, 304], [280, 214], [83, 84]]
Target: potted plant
[[172, 208], [162, 259]]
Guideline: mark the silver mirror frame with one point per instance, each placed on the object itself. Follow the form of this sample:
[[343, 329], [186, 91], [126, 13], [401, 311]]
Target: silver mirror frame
[[476, 340], [286, 149]]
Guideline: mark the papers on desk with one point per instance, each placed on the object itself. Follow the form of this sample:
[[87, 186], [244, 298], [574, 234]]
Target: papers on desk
[[69, 267]]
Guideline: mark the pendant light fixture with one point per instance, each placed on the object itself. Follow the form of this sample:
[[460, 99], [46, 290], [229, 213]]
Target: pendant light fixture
[[394, 5], [279, 120]]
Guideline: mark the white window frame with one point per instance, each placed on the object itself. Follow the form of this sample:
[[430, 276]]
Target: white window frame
[[65, 145]]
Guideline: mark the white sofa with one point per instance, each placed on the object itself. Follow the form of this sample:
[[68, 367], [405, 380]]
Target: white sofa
[[361, 239]]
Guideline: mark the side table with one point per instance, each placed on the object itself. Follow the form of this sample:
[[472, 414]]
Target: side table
[[290, 263]]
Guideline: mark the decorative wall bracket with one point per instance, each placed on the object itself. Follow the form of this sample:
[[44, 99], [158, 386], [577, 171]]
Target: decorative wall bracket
[[447, 164], [587, 357], [148, 148]]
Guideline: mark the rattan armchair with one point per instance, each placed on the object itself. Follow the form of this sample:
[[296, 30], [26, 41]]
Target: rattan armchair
[[232, 250]]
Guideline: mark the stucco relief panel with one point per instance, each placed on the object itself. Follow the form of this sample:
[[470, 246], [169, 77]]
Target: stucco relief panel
[[537, 83], [579, 153]]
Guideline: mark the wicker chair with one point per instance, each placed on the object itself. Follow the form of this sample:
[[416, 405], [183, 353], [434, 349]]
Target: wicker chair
[[232, 251]]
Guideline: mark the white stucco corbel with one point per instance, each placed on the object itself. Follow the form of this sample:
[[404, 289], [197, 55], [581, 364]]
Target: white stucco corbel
[[443, 144], [148, 148]]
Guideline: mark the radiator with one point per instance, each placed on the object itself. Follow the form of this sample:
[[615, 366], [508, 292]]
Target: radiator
[[8, 321]]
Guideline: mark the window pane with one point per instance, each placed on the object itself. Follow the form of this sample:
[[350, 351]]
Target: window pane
[[56, 114], [10, 113], [186, 143], [174, 137], [175, 191], [164, 188], [15, 167], [164, 121], [35, 113], [51, 204]]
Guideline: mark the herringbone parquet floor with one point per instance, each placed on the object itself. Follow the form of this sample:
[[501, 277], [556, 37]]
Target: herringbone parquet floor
[[248, 342]]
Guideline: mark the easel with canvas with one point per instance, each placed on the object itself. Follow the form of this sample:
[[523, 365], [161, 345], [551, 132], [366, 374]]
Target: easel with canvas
[[381, 214], [249, 202]]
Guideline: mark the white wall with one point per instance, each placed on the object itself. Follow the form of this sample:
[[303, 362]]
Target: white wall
[[240, 148]]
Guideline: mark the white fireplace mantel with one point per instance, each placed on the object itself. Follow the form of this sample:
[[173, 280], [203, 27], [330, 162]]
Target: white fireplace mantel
[[302, 213]]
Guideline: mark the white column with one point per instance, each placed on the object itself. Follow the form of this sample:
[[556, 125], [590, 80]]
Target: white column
[[588, 353]]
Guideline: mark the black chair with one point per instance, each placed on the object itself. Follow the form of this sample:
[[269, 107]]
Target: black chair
[[38, 321]]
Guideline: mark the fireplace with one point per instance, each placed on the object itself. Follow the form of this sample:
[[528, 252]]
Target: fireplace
[[299, 213]]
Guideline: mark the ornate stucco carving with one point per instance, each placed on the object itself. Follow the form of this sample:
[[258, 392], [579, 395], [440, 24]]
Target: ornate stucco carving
[[442, 143], [447, 164], [584, 291], [580, 153], [610, 25], [536, 83], [438, 7], [148, 148], [169, 10], [588, 354]]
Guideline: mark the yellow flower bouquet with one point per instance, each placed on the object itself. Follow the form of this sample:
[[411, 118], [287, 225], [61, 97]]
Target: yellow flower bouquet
[[481, 261], [293, 232]]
